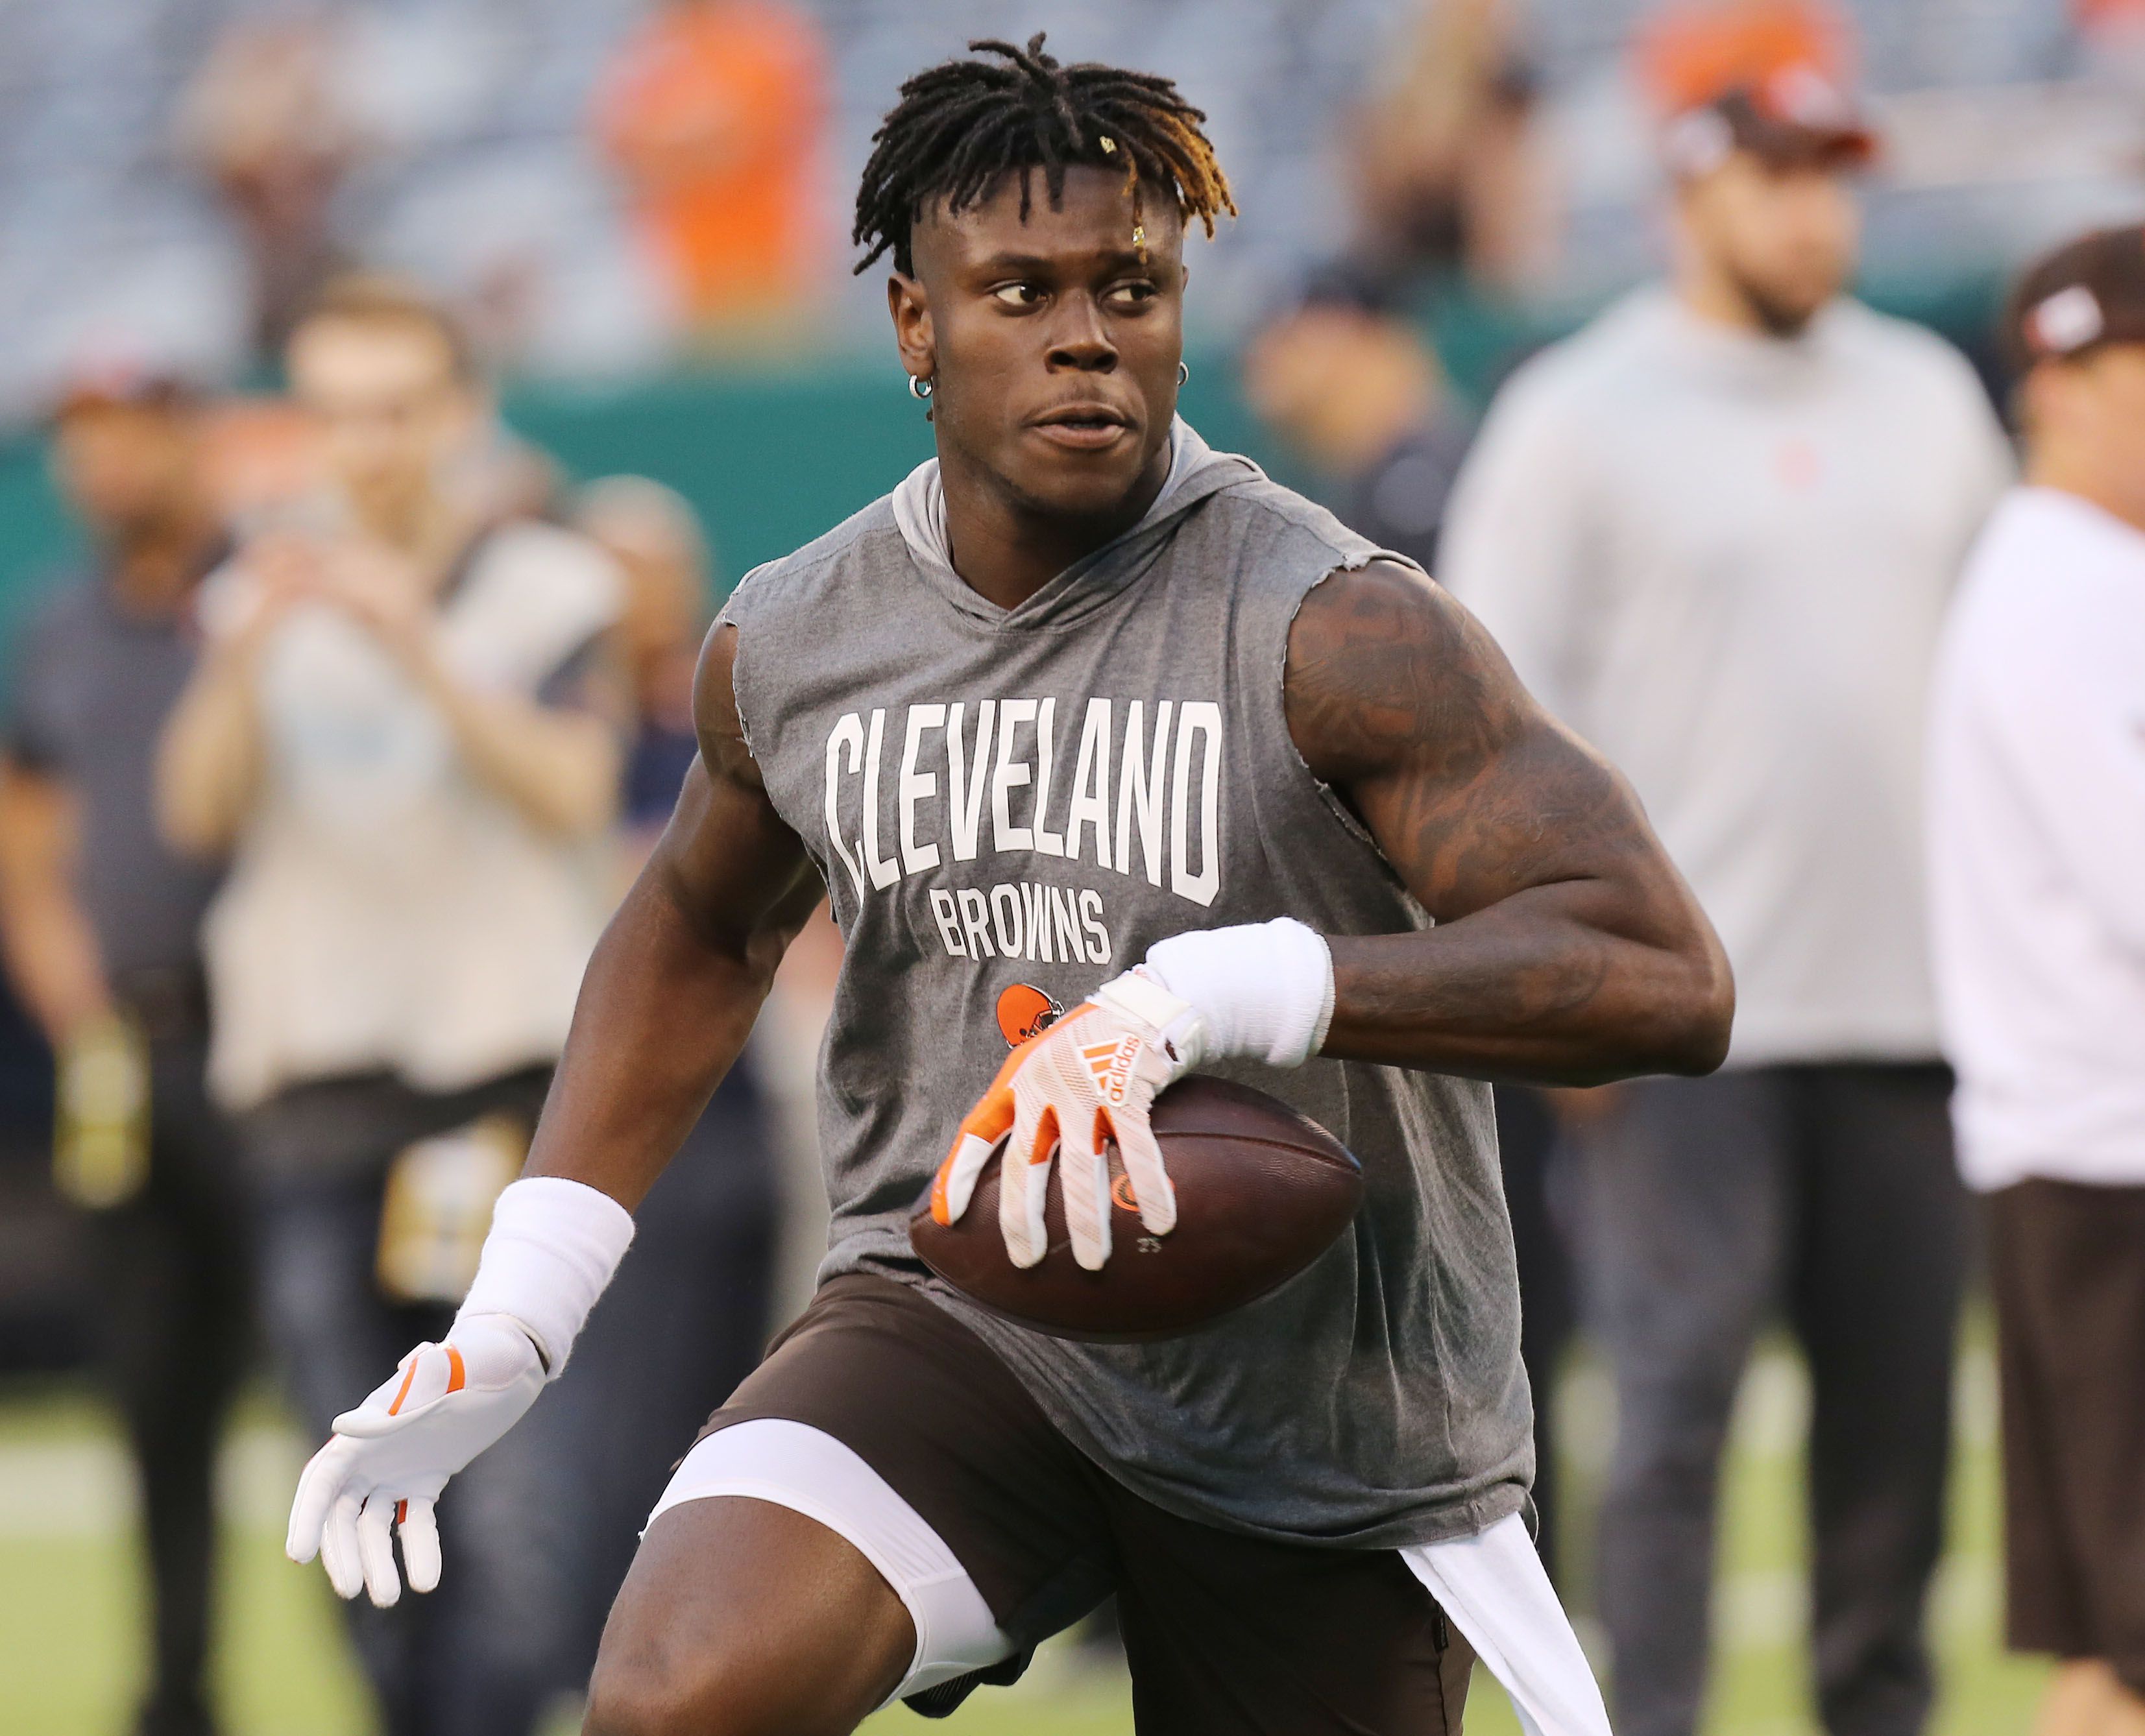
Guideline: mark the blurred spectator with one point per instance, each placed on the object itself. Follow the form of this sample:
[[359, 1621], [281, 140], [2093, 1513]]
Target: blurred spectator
[[1534, 1162], [1448, 172], [265, 122], [407, 732], [654, 535], [2110, 20], [1714, 532], [261, 453], [2036, 851], [1352, 387], [503, 476], [102, 926], [2112, 35], [687, 1315], [714, 113]]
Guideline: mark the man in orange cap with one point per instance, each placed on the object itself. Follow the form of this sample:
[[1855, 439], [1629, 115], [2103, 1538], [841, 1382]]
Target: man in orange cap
[[712, 113], [1716, 532]]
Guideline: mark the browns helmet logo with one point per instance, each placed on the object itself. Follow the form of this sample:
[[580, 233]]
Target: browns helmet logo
[[1025, 1012]]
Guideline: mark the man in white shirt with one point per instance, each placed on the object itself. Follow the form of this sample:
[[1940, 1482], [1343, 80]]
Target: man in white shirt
[[1715, 532], [405, 735], [2037, 863]]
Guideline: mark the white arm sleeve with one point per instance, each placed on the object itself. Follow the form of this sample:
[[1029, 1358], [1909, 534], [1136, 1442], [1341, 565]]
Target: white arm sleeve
[[1262, 990], [553, 1248]]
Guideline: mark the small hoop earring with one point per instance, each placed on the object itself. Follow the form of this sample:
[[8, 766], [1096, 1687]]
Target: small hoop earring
[[919, 387], [1183, 372]]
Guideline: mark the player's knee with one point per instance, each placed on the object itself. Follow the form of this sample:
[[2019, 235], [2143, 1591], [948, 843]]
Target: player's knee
[[662, 1696], [632, 1700], [714, 1691], [741, 1618]]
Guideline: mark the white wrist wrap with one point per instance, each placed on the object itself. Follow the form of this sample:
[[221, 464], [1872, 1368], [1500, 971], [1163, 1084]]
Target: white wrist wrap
[[552, 1247], [1144, 997], [1263, 991]]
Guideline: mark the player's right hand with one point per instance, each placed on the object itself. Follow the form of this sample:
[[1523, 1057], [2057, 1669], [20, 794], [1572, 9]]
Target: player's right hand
[[388, 1460], [1063, 1098]]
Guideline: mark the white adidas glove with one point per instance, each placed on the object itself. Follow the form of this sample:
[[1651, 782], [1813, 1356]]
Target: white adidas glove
[[1092, 1077], [1262, 990], [387, 1461], [552, 1247]]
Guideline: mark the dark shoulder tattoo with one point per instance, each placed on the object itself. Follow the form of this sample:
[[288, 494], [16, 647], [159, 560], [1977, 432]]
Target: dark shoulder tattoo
[[1386, 670]]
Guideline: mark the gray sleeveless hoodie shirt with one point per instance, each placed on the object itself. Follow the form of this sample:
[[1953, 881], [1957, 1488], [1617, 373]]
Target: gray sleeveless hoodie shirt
[[1008, 802]]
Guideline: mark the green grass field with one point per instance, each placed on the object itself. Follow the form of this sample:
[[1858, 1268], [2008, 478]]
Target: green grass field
[[69, 1659]]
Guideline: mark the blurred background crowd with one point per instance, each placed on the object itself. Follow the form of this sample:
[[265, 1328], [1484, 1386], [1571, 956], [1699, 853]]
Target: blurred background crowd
[[393, 388], [605, 183]]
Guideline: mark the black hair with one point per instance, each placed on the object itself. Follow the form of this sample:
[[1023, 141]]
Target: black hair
[[961, 128]]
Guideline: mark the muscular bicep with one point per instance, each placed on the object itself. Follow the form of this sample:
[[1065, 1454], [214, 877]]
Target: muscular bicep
[[741, 878], [1401, 700], [1567, 948]]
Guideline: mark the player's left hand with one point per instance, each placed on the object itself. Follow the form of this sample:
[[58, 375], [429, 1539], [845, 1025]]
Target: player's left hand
[[1063, 1095], [384, 1465]]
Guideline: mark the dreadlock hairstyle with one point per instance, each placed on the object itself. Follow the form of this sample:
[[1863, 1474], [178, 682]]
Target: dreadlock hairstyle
[[962, 127]]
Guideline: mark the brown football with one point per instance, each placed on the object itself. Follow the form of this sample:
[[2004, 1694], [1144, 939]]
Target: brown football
[[1261, 1191]]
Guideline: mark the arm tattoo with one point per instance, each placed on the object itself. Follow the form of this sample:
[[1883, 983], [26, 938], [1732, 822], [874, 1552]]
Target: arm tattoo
[[1398, 698], [1487, 809]]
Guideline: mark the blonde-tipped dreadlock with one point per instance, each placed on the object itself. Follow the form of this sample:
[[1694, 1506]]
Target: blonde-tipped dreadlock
[[961, 128]]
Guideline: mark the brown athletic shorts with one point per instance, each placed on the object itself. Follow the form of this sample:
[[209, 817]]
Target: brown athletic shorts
[[1226, 1636], [2066, 1262]]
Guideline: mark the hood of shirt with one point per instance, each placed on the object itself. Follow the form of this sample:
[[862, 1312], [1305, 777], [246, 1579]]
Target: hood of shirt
[[1196, 472]]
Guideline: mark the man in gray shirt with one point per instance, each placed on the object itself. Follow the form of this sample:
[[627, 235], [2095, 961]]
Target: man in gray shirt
[[102, 926], [1715, 533]]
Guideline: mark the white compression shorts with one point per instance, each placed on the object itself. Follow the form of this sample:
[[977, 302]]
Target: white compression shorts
[[810, 1472], [1491, 1586]]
